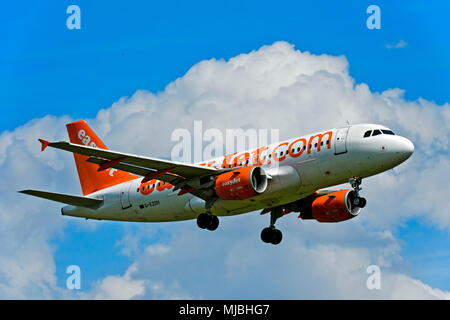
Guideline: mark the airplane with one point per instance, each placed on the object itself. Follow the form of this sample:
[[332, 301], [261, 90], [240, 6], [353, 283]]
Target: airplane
[[289, 176]]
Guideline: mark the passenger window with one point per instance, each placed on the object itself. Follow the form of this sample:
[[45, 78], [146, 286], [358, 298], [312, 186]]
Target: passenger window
[[388, 132], [281, 153], [367, 134], [315, 145], [376, 132]]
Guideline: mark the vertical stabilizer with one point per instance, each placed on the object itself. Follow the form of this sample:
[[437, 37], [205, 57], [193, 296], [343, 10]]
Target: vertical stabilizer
[[91, 179]]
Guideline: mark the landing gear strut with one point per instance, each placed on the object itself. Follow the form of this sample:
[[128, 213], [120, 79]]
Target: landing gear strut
[[207, 220], [357, 201], [271, 234]]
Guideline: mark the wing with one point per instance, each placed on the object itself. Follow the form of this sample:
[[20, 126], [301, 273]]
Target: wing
[[176, 173], [183, 169]]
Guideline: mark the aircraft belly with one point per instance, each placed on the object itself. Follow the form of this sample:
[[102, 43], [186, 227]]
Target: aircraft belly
[[160, 207]]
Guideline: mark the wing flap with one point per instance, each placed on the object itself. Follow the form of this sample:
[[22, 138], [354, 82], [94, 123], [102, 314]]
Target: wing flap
[[64, 198]]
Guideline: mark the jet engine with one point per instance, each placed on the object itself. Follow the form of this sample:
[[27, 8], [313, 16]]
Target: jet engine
[[333, 207], [242, 183]]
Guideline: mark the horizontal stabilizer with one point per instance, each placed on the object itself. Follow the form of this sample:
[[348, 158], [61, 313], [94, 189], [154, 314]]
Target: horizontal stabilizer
[[64, 198]]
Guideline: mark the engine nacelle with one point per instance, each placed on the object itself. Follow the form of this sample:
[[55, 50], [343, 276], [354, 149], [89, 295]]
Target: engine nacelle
[[333, 207], [241, 183]]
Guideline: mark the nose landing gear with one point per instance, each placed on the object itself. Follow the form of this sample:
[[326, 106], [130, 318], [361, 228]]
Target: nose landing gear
[[271, 234], [357, 201]]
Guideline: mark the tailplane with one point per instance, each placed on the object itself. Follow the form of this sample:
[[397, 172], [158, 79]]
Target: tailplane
[[64, 198], [91, 179]]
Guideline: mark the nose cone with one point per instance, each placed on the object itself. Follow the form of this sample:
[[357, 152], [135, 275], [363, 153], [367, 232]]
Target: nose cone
[[402, 149], [408, 148]]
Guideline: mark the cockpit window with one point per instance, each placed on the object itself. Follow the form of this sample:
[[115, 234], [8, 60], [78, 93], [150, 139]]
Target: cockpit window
[[367, 133], [376, 132], [388, 132]]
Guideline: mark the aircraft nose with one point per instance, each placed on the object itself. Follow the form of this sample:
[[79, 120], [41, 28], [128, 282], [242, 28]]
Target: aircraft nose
[[404, 148], [408, 147]]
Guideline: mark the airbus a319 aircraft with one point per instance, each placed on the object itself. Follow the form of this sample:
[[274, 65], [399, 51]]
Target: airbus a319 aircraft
[[290, 176]]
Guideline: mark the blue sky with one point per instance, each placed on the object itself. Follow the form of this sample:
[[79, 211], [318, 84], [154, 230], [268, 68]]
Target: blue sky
[[125, 46], [130, 45]]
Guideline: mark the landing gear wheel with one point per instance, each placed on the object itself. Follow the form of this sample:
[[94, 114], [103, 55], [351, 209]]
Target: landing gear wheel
[[362, 202], [266, 235], [203, 220], [271, 235], [213, 223], [277, 236], [359, 202], [207, 221]]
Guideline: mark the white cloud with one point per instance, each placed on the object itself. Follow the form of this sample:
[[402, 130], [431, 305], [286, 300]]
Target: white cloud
[[398, 45], [118, 287], [273, 87], [126, 288], [314, 261]]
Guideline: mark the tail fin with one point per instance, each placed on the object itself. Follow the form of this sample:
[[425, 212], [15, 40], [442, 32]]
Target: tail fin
[[91, 179]]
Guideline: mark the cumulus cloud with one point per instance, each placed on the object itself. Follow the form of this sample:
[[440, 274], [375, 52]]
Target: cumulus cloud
[[118, 287], [275, 87], [313, 262]]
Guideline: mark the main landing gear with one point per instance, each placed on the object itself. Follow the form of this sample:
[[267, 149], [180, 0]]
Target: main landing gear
[[271, 234], [207, 220], [357, 201]]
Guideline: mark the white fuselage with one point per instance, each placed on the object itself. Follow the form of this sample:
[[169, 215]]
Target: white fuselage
[[339, 155]]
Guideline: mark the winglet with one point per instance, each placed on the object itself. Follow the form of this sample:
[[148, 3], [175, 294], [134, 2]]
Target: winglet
[[44, 144]]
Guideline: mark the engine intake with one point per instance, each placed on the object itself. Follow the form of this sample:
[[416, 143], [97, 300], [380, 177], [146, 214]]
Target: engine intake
[[243, 183]]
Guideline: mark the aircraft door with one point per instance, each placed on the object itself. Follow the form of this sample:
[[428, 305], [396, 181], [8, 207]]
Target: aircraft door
[[340, 145], [125, 195]]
